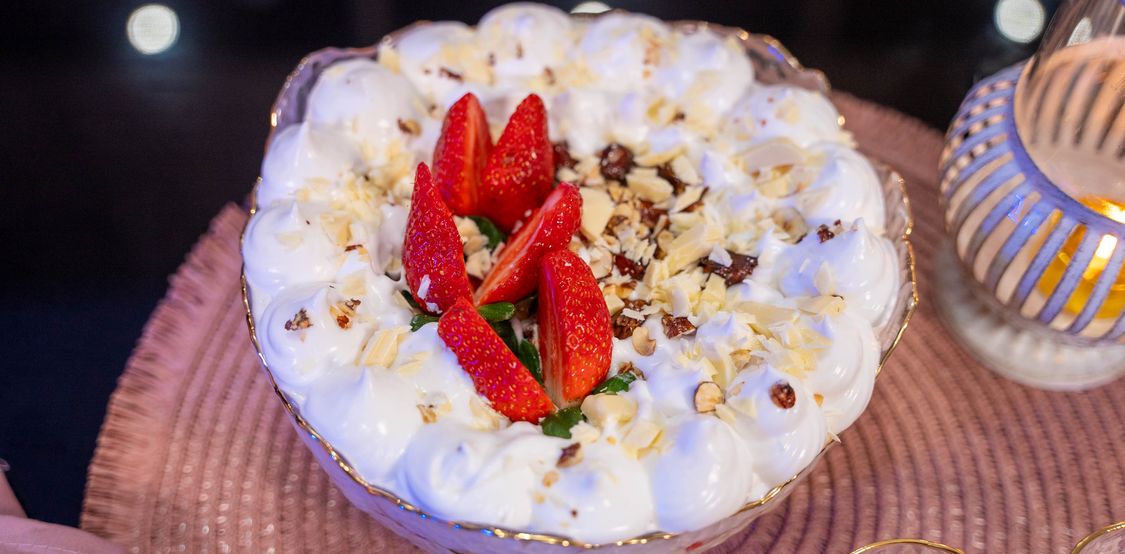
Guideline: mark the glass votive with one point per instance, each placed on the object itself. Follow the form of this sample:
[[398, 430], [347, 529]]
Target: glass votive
[[1033, 190]]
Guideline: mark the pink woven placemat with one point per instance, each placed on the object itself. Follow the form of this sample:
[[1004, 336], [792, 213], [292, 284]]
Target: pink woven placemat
[[196, 453]]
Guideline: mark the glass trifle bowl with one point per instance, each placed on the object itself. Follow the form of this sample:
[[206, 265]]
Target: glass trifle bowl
[[437, 495]]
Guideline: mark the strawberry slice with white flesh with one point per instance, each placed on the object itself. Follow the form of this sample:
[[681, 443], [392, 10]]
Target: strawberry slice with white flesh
[[460, 155], [496, 372], [432, 255], [575, 336], [516, 272]]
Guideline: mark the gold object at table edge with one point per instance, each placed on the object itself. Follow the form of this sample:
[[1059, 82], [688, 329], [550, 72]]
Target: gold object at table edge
[[1111, 528], [916, 542], [342, 463]]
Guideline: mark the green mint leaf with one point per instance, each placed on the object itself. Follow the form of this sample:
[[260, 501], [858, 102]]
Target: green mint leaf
[[500, 311], [504, 329], [617, 383], [490, 230], [559, 423], [529, 357], [419, 320]]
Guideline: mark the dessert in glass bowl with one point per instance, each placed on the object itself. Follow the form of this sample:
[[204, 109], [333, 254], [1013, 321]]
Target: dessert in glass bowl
[[577, 281]]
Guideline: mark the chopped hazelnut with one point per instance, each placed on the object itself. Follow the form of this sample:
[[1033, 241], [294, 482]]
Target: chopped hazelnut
[[783, 395], [616, 162], [676, 326], [550, 478], [624, 325], [741, 267], [628, 267], [708, 395], [824, 234], [642, 343]]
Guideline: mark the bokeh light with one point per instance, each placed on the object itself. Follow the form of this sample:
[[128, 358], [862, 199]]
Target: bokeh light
[[152, 28], [1020, 20]]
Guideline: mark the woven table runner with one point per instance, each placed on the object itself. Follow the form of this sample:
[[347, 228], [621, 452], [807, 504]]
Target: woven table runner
[[196, 453]]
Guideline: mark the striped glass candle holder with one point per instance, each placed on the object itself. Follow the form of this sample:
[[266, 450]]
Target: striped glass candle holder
[[1033, 192]]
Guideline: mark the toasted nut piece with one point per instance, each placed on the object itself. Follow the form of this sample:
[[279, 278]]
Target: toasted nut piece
[[613, 303], [772, 153], [604, 409], [382, 347], [550, 478], [570, 455], [683, 169], [597, 207], [791, 221], [708, 395], [741, 358], [819, 399], [648, 185], [641, 435], [429, 414], [644, 345]]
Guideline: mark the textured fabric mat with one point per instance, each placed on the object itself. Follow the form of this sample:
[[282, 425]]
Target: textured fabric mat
[[196, 453]]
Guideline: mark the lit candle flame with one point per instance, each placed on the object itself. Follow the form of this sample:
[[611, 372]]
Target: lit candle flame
[[1115, 301]]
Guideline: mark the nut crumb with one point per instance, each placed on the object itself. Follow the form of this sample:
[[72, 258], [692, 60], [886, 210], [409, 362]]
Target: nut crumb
[[708, 395], [783, 395], [550, 478], [824, 234], [676, 326], [410, 127], [629, 367], [570, 455], [450, 74], [300, 321]]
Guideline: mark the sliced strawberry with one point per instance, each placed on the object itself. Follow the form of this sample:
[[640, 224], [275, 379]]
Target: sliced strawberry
[[460, 155], [516, 273], [496, 372], [521, 168], [432, 256], [575, 337]]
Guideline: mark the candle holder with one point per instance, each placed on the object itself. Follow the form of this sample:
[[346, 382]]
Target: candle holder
[[1033, 192]]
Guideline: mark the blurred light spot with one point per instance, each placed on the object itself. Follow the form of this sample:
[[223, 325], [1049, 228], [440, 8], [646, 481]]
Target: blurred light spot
[[1019, 20], [152, 28], [1082, 33], [590, 7]]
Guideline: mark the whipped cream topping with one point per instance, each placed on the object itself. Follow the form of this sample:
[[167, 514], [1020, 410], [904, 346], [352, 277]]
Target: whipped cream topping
[[788, 355]]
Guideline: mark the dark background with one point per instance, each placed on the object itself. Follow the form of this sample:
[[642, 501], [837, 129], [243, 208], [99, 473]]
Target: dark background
[[112, 162]]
